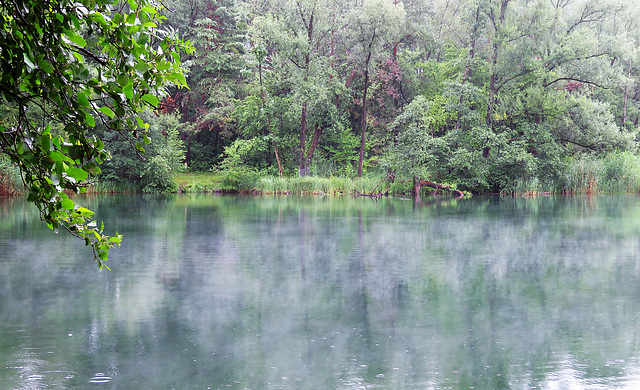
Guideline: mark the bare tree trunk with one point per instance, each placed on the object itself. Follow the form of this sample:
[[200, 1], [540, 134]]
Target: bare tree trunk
[[364, 120]]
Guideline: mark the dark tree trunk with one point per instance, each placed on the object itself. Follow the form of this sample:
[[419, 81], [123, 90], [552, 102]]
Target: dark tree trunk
[[303, 167], [363, 135], [316, 138]]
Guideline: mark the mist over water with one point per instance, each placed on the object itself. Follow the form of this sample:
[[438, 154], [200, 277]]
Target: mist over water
[[326, 293]]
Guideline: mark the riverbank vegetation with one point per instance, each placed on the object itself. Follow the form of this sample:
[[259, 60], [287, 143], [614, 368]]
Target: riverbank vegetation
[[370, 97], [488, 96]]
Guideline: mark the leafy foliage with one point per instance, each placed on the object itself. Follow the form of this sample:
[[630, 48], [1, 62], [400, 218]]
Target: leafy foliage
[[67, 67], [163, 158]]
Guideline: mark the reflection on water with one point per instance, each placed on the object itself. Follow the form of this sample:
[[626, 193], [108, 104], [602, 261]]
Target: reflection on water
[[316, 293]]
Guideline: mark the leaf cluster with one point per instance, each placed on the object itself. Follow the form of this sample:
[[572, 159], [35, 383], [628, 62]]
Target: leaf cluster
[[68, 66]]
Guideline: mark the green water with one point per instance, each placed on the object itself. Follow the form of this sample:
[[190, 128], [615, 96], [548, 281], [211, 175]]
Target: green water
[[211, 292]]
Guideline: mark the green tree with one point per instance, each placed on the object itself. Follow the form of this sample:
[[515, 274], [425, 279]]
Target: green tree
[[163, 157], [67, 66], [217, 77], [375, 23], [293, 42]]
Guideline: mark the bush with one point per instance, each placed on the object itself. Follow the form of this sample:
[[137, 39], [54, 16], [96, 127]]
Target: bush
[[239, 179]]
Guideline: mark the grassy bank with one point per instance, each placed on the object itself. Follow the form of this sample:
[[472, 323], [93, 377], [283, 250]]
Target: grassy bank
[[198, 182], [251, 182], [616, 173]]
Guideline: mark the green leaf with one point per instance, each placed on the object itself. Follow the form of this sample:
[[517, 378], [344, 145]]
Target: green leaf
[[181, 79], [107, 111], [58, 156], [45, 66], [67, 204], [84, 212], [149, 98], [131, 18], [128, 90], [75, 38], [133, 4], [90, 121], [99, 18], [28, 61], [77, 173], [150, 10], [142, 68], [82, 99], [163, 65]]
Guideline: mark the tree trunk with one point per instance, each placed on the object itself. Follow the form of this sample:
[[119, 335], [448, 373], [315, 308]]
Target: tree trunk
[[467, 68], [264, 104], [316, 138], [417, 185], [187, 154], [491, 98], [626, 97], [364, 120], [303, 167]]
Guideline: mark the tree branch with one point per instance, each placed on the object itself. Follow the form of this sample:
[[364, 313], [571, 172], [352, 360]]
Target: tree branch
[[575, 79]]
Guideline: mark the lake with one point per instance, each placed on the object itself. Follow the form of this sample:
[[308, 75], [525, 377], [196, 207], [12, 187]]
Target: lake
[[222, 292]]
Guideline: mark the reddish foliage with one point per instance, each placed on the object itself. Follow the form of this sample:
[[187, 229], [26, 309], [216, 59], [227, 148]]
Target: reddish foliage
[[571, 86], [168, 106]]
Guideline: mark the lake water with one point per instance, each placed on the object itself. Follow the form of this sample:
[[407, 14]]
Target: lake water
[[213, 292]]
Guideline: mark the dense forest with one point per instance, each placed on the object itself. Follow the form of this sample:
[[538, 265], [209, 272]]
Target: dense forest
[[483, 95], [487, 95]]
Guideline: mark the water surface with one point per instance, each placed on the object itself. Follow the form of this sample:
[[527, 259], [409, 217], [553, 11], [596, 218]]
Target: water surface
[[326, 293]]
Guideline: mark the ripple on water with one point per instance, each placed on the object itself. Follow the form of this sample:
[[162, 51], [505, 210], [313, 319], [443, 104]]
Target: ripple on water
[[100, 377]]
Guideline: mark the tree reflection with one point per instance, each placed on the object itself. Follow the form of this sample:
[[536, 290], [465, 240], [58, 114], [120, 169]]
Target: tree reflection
[[330, 293]]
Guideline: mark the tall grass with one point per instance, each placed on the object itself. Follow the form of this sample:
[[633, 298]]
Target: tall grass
[[535, 185], [198, 182], [10, 180], [312, 185], [615, 173], [111, 187]]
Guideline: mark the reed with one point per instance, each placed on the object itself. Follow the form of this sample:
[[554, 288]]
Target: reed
[[615, 173], [10, 181], [312, 185], [112, 187], [535, 186]]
